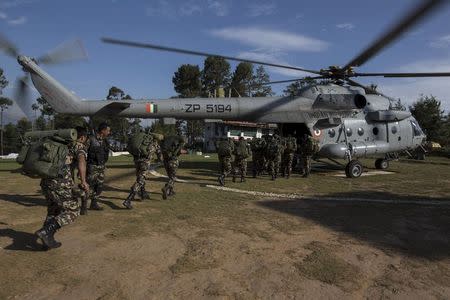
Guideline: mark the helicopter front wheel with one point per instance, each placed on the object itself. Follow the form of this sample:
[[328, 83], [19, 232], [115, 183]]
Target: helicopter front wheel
[[381, 164], [354, 169]]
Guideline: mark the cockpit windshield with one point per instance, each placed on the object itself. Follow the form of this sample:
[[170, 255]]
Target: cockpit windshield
[[416, 129]]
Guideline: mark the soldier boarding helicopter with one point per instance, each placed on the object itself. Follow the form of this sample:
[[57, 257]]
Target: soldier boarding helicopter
[[348, 119]]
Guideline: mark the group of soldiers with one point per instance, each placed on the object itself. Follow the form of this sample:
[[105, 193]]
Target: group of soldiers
[[87, 157], [270, 153], [86, 160]]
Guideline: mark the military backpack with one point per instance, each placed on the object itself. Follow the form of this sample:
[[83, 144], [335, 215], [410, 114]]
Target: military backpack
[[224, 148], [291, 144], [44, 158], [311, 146], [139, 144], [241, 149]]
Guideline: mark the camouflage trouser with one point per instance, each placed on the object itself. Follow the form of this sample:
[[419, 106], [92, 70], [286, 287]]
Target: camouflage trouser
[[258, 163], [141, 175], [171, 166], [286, 164], [305, 162], [240, 166], [61, 204], [225, 165], [95, 179], [273, 165]]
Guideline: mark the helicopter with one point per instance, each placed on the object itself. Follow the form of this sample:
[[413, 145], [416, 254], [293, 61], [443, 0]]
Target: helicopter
[[348, 119]]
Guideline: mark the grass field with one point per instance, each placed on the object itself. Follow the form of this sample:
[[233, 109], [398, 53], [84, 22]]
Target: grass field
[[207, 243]]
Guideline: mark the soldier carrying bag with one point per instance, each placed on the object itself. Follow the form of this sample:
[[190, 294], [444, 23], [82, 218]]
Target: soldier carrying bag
[[139, 144], [224, 148], [44, 153], [241, 149]]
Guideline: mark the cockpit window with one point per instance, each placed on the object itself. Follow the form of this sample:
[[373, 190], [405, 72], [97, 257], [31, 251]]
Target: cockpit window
[[416, 129]]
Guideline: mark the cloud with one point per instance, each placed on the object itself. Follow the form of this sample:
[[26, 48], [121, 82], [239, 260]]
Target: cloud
[[346, 26], [190, 8], [3, 16], [15, 3], [267, 38], [441, 42], [272, 56], [410, 89], [220, 8], [161, 8], [261, 9], [18, 21]]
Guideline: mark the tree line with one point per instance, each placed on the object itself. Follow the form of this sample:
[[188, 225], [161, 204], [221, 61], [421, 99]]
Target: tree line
[[213, 80]]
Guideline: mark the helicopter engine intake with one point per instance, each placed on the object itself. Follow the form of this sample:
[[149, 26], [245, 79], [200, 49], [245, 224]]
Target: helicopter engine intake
[[340, 101]]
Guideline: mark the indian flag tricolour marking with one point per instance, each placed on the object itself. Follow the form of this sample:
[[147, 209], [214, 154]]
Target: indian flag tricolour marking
[[151, 108]]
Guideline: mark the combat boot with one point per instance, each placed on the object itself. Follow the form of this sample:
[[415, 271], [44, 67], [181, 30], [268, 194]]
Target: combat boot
[[171, 192], [242, 179], [221, 180], [83, 208], [127, 202], [164, 192], [144, 195], [47, 232], [94, 205]]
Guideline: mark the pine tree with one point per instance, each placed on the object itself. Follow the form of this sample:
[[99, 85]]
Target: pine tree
[[259, 84]]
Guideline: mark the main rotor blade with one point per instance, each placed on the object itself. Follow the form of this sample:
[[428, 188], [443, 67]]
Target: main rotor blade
[[8, 47], [66, 52], [22, 95], [184, 51], [293, 80], [393, 75], [418, 13]]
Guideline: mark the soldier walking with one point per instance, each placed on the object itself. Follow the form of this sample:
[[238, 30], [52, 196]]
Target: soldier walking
[[308, 147], [225, 148], [171, 150], [142, 146], [98, 151], [80, 163], [258, 147], [241, 153], [273, 155], [290, 147]]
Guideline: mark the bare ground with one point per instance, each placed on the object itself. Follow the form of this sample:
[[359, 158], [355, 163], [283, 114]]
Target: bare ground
[[212, 244]]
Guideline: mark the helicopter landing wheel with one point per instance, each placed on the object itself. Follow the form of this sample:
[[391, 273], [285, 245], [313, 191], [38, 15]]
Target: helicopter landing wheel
[[354, 169], [381, 164]]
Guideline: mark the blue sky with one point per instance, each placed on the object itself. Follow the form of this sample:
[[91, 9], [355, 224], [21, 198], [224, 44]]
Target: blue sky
[[310, 34]]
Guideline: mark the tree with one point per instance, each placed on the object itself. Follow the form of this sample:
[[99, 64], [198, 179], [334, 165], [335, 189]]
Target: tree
[[62, 121], [166, 130], [46, 111], [427, 111], [259, 84], [186, 81], [215, 74], [242, 80], [3, 81], [294, 88], [4, 104]]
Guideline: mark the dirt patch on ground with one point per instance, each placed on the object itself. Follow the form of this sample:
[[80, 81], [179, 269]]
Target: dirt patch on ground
[[206, 243]]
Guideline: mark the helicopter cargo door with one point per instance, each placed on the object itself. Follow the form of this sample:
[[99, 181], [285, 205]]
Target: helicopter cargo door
[[394, 136]]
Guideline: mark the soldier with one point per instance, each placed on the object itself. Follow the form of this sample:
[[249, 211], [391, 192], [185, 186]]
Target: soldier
[[225, 148], [290, 147], [62, 207], [98, 151], [171, 149], [142, 160], [273, 155], [241, 153], [258, 146], [80, 163], [308, 148]]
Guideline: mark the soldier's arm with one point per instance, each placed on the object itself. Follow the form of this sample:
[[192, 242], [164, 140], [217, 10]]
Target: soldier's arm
[[82, 170]]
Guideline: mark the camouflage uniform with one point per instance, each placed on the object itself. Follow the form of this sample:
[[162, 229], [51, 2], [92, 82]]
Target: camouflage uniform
[[273, 156], [240, 161], [288, 156], [306, 154], [171, 149], [78, 192], [258, 161], [62, 207], [225, 160], [98, 149], [142, 165]]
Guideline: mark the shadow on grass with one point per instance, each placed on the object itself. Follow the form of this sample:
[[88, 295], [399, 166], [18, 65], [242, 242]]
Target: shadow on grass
[[416, 230], [25, 200], [21, 241]]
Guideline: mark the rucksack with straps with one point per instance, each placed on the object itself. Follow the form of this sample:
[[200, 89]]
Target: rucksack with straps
[[171, 146], [241, 149], [139, 144], [311, 146], [224, 148], [44, 158], [291, 144]]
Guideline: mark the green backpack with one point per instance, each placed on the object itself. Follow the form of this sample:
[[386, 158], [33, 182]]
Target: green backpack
[[139, 144], [312, 146], [45, 158], [171, 145], [241, 149], [291, 144], [273, 148], [224, 148]]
